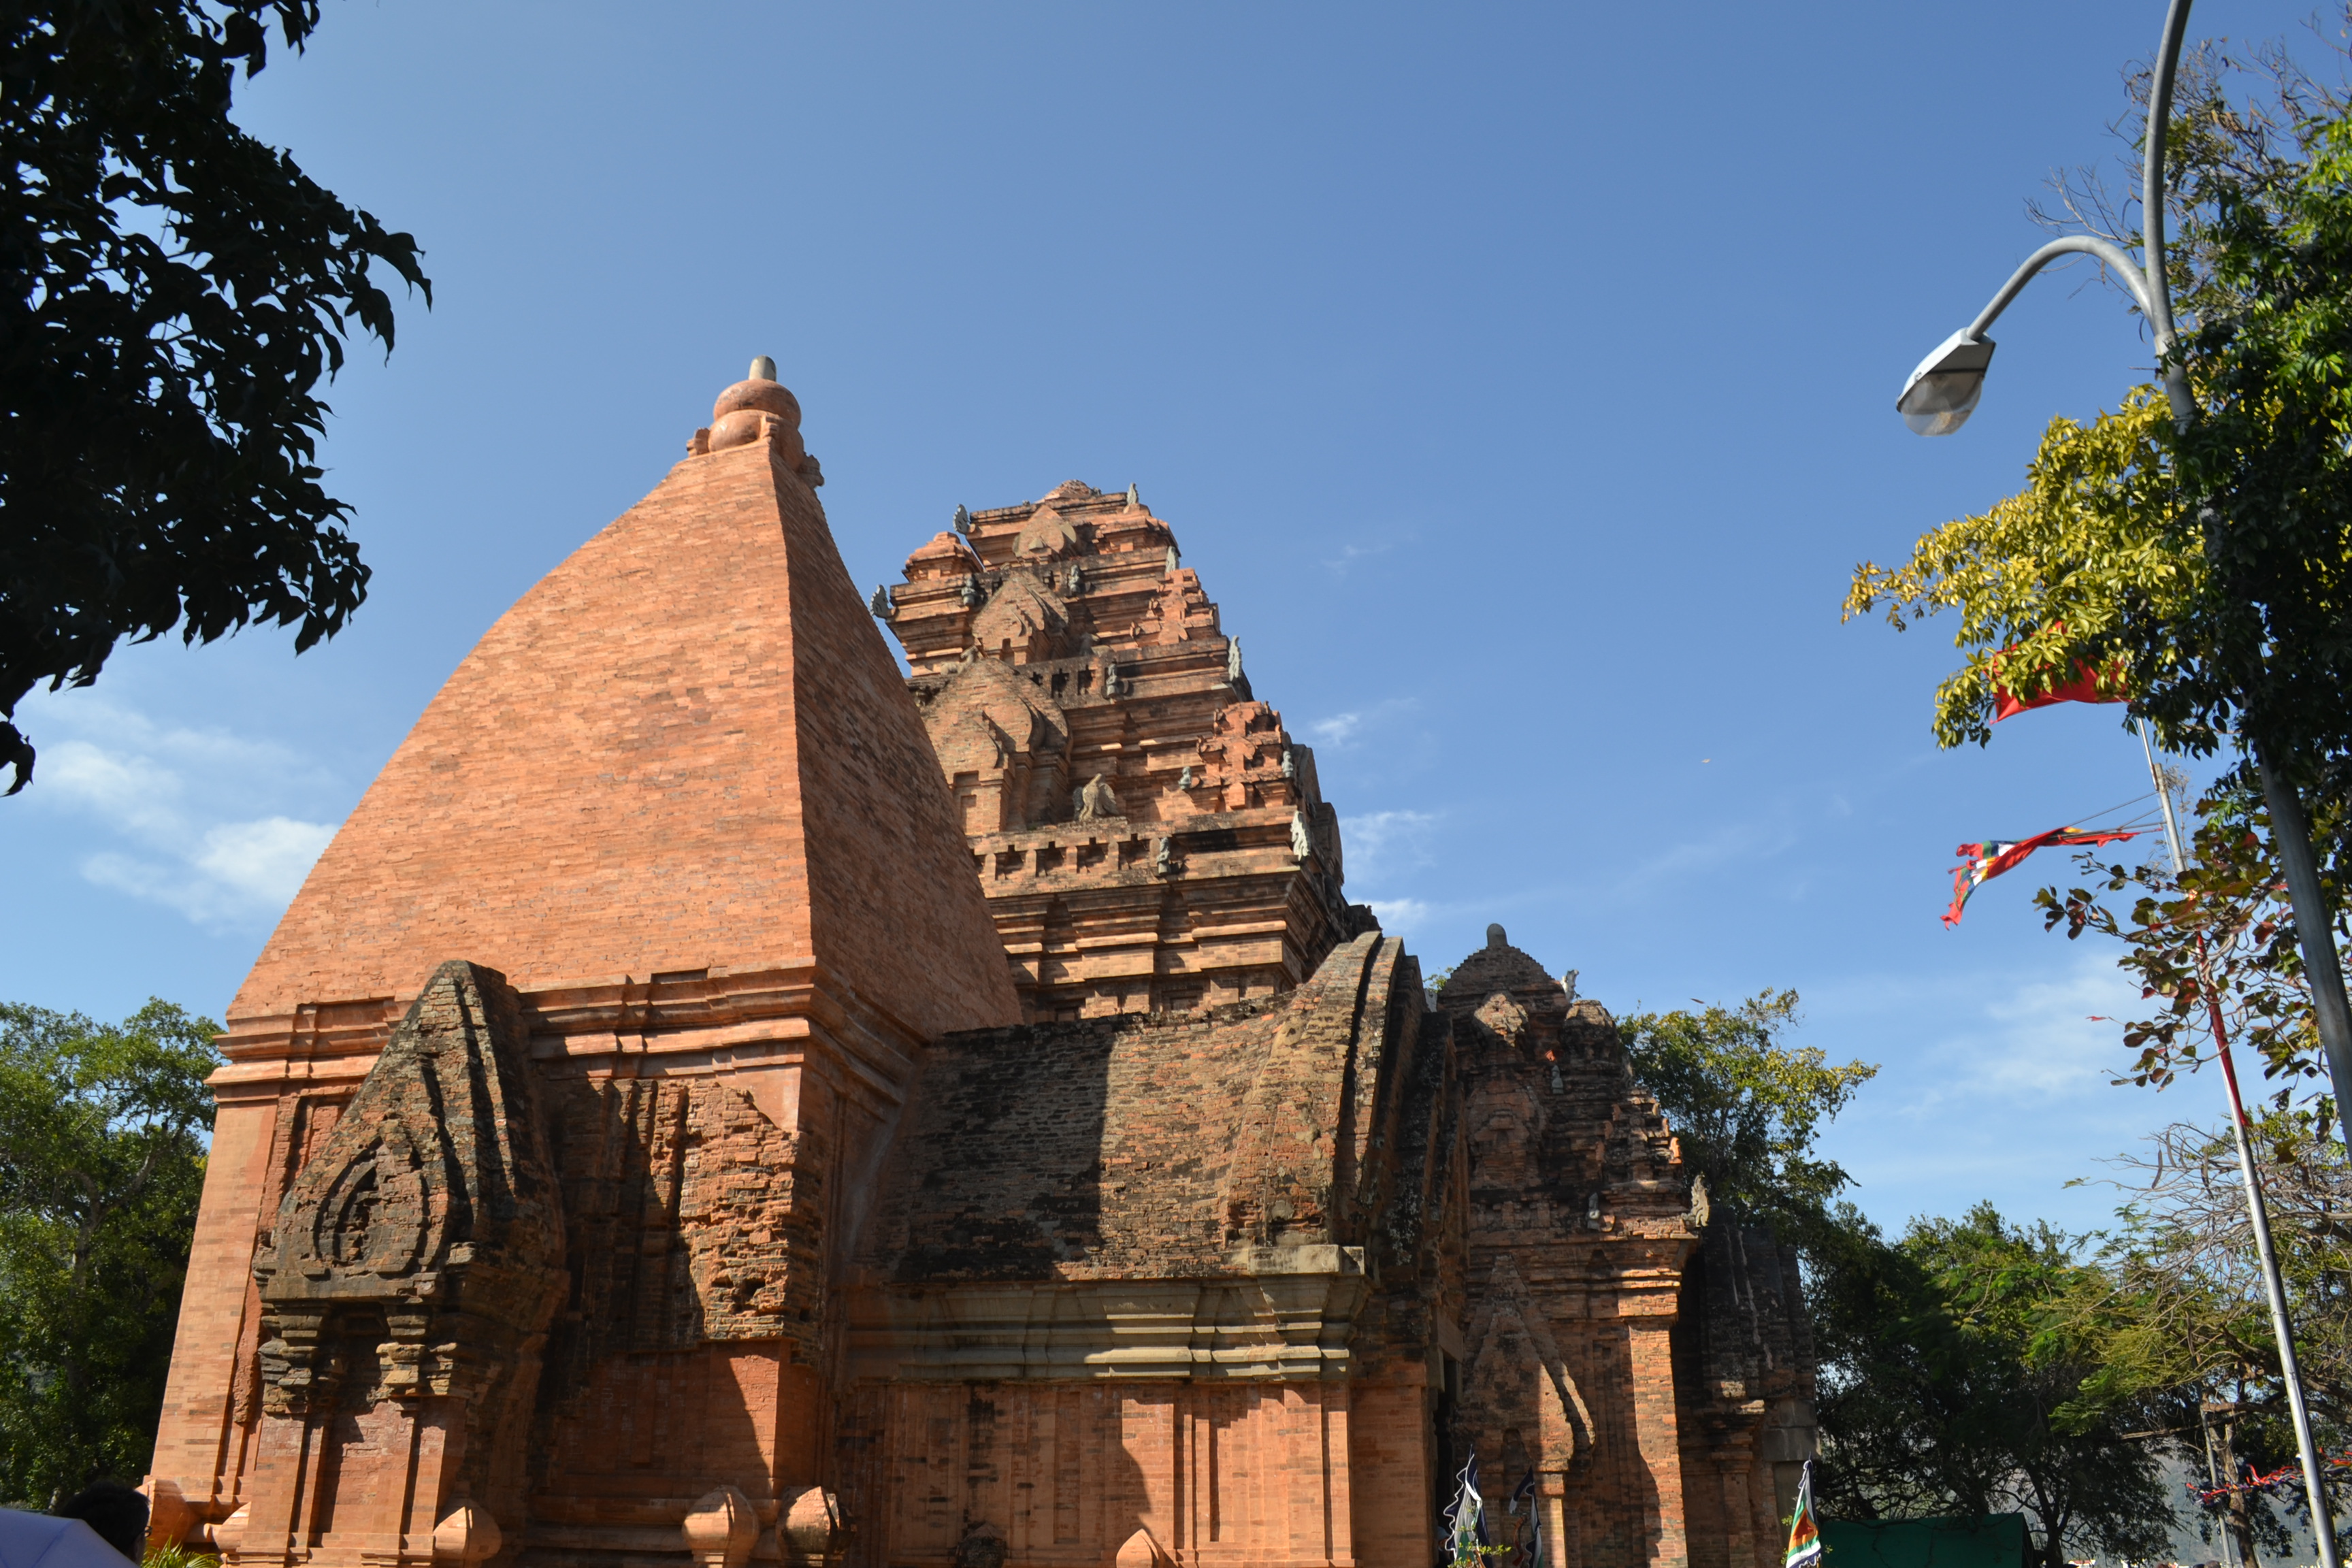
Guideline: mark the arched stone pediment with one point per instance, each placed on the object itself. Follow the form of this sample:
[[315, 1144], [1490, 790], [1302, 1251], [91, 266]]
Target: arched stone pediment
[[434, 1195]]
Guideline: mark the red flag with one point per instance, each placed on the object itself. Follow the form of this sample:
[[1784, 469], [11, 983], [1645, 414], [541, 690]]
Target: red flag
[[1980, 863], [2084, 687]]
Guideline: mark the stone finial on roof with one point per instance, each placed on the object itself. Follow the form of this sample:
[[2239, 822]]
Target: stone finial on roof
[[1174, 560], [758, 408], [762, 368], [962, 519], [1134, 498], [1495, 937], [880, 604]]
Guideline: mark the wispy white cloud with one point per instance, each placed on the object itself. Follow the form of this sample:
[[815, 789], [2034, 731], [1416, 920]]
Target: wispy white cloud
[[1380, 845], [1727, 843], [1335, 731], [178, 804], [1359, 550], [1400, 917], [1993, 1084], [1341, 729]]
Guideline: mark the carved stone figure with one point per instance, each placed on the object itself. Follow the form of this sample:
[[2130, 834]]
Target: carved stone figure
[[1234, 659], [1075, 583], [880, 602], [1112, 685], [1184, 779], [962, 520], [971, 592], [1094, 801], [1175, 561], [1163, 856], [1302, 837]]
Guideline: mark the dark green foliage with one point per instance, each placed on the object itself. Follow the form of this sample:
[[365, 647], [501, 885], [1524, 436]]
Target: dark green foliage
[[1950, 1386], [103, 1130], [2265, 277], [172, 292], [1746, 1107]]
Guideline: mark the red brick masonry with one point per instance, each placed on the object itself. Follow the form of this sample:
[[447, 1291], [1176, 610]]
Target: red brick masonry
[[646, 1140]]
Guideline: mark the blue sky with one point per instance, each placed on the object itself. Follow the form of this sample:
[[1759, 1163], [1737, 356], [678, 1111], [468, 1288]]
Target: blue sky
[[1518, 379]]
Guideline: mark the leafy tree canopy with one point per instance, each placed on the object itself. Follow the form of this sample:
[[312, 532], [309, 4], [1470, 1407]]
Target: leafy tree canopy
[[1950, 1386], [2205, 574], [172, 292], [103, 1132], [1746, 1106]]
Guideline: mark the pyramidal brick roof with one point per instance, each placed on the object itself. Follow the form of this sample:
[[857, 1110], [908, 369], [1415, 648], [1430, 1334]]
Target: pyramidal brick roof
[[686, 749]]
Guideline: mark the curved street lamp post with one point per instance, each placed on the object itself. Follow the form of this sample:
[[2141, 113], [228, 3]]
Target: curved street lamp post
[[1937, 400]]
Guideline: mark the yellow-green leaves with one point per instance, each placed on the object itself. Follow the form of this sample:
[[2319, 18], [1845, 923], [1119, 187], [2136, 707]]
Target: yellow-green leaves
[[2046, 581]]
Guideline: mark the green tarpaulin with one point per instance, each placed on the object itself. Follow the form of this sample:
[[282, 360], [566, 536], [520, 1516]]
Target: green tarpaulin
[[1994, 1540]]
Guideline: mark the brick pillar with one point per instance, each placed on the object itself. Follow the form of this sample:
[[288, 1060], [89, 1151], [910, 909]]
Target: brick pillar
[[1561, 1547], [1339, 1504], [1393, 1508], [1738, 1511], [1656, 1438], [195, 1442]]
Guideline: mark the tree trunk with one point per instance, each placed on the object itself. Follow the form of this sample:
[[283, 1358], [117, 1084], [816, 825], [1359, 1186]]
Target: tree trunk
[[2237, 1515]]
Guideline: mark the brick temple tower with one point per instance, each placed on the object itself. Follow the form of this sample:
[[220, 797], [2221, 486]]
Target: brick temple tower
[[720, 1102], [549, 1095], [1149, 836]]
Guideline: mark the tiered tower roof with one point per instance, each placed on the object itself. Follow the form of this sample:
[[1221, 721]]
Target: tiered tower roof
[[1149, 834]]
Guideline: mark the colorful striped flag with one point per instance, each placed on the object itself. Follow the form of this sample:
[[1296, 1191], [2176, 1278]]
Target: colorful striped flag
[[1980, 863], [1804, 1536]]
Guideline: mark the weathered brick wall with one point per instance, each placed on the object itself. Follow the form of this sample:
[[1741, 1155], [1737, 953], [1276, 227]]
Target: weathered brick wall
[[1179, 1247], [1745, 1374], [1065, 1474], [1578, 1232]]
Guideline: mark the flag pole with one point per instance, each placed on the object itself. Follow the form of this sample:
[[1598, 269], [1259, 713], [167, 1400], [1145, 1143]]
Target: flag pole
[[2323, 1523]]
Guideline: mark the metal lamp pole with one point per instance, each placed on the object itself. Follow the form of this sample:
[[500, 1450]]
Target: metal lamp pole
[[1937, 400]]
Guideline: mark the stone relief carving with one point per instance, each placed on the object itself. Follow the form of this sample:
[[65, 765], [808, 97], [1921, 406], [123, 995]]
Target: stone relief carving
[[432, 1201], [415, 1264], [1094, 800]]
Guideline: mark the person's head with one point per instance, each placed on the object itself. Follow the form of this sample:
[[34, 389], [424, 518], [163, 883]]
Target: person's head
[[116, 1511]]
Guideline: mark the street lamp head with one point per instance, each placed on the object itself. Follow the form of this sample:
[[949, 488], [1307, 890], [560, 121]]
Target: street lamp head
[[1943, 392]]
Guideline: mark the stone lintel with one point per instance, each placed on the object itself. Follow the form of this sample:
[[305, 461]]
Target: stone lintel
[[1291, 1322]]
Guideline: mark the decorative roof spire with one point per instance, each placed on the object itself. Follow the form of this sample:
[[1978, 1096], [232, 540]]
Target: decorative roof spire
[[762, 368]]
